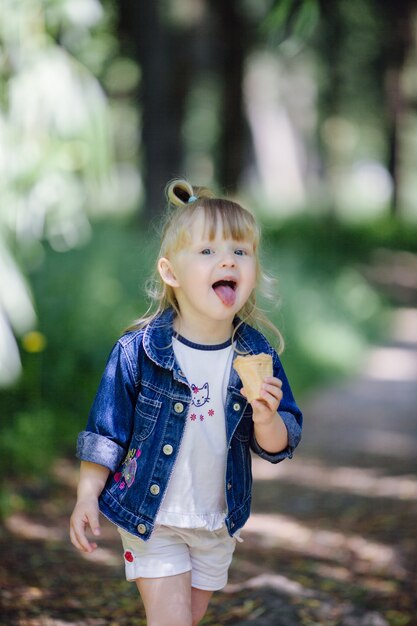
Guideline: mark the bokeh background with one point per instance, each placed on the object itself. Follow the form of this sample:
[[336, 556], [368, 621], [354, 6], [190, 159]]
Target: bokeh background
[[304, 110]]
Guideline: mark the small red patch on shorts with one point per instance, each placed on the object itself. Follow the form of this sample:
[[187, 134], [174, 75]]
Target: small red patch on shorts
[[129, 556]]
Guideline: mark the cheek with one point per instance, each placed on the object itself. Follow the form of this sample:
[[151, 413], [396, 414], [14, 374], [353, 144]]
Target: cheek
[[252, 275]]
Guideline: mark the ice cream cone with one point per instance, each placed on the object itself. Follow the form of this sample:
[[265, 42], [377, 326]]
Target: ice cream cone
[[253, 369]]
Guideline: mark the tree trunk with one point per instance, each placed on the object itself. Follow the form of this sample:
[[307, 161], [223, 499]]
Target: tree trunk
[[162, 56], [331, 37], [232, 43], [398, 18], [395, 112], [168, 60]]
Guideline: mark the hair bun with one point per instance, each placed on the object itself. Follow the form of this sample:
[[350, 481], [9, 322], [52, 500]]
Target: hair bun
[[179, 192]]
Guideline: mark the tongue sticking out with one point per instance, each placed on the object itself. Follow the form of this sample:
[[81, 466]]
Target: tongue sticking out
[[225, 292]]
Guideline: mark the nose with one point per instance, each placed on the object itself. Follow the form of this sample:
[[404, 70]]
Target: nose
[[228, 260]]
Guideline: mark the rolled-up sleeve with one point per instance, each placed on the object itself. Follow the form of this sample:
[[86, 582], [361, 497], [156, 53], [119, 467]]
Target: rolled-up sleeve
[[291, 416], [106, 438]]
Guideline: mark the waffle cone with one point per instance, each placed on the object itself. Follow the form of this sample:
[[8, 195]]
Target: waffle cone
[[252, 370]]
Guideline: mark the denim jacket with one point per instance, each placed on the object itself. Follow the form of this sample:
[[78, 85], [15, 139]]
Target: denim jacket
[[137, 422]]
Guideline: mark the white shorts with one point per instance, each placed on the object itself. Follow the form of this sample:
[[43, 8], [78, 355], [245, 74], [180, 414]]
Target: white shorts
[[171, 551]]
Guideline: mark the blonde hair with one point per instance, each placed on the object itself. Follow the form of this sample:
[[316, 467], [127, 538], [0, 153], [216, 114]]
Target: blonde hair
[[184, 203]]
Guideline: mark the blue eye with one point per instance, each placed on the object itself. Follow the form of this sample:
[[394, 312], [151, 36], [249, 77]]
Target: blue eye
[[206, 251], [240, 252]]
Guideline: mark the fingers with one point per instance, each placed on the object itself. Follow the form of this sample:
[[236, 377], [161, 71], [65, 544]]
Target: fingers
[[268, 384], [271, 380], [272, 401], [80, 519], [272, 386], [93, 521], [271, 393], [79, 540]]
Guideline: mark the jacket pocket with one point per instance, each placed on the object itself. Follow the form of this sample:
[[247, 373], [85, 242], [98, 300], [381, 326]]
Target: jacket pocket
[[146, 414]]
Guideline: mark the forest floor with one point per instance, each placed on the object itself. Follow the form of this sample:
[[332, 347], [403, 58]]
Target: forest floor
[[332, 539]]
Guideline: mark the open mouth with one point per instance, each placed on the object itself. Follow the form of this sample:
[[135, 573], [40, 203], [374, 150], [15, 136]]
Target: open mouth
[[226, 291]]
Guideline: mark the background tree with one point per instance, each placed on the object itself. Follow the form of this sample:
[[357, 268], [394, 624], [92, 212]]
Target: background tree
[[396, 44], [231, 43], [173, 51], [364, 47], [56, 150], [162, 50]]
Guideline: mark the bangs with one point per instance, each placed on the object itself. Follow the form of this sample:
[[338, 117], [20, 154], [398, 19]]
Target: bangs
[[236, 222]]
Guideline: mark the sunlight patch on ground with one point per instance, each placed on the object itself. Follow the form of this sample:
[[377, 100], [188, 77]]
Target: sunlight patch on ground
[[396, 363], [66, 472], [103, 556], [279, 531], [355, 480], [391, 364], [336, 572], [344, 575], [275, 581], [22, 527], [29, 594], [388, 442], [404, 326]]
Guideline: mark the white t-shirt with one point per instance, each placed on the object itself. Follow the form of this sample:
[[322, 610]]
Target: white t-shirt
[[195, 495]]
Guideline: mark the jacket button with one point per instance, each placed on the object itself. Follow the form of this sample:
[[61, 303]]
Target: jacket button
[[229, 486], [178, 407], [232, 525], [141, 529], [167, 449], [154, 490], [236, 406]]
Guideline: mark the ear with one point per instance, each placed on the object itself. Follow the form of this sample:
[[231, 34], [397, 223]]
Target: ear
[[167, 273]]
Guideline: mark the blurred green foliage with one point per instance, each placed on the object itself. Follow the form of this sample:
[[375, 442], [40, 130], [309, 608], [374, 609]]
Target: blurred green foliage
[[60, 155], [329, 313]]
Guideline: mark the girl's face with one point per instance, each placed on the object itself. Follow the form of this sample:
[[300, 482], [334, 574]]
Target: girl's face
[[212, 278]]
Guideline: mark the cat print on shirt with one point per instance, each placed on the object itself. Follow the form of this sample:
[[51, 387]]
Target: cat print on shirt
[[200, 394]]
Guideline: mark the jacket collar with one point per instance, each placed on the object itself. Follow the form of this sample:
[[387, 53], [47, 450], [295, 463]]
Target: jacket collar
[[157, 341]]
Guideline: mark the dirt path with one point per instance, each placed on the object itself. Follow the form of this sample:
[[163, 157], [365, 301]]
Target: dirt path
[[331, 541]]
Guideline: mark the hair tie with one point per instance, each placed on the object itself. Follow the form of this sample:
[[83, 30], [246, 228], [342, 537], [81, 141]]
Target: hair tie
[[192, 199]]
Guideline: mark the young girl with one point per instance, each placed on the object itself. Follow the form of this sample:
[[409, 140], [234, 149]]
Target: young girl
[[166, 452]]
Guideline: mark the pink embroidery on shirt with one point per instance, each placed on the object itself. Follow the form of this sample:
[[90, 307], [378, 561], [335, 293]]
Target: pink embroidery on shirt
[[200, 394]]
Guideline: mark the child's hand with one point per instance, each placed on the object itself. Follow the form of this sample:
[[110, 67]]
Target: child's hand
[[266, 407], [85, 514]]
